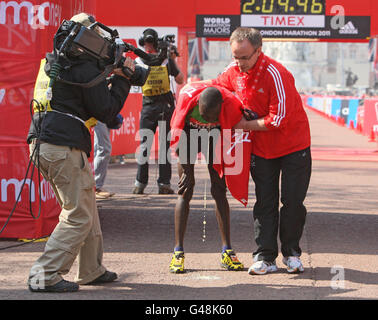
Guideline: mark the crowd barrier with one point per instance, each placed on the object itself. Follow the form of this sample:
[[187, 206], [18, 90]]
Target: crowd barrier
[[356, 113], [359, 114]]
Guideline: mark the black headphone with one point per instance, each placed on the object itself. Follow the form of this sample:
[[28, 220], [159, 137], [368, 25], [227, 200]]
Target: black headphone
[[149, 35]]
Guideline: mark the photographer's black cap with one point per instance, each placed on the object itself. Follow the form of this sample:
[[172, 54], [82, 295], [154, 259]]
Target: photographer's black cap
[[149, 35]]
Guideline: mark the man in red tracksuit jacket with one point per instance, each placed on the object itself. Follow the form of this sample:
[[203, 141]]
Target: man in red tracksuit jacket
[[281, 147], [207, 112]]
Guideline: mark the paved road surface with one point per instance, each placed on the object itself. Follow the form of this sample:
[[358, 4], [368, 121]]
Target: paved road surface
[[340, 240]]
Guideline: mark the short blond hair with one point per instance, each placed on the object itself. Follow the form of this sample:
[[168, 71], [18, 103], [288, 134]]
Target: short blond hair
[[82, 18], [251, 34], [86, 20]]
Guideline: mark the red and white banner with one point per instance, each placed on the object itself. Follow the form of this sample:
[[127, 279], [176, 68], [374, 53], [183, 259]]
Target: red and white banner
[[27, 29], [125, 139]]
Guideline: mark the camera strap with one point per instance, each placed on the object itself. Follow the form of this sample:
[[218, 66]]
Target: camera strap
[[91, 122], [51, 59], [101, 77]]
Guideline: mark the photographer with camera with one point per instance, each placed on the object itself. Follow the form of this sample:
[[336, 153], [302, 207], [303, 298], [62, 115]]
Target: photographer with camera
[[60, 144], [158, 104]]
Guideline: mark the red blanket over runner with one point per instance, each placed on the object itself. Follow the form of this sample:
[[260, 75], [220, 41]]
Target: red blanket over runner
[[233, 149]]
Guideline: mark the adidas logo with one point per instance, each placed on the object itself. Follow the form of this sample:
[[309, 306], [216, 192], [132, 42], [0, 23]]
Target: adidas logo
[[261, 90], [348, 28]]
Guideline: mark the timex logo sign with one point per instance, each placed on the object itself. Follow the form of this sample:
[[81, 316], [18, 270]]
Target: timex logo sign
[[283, 21]]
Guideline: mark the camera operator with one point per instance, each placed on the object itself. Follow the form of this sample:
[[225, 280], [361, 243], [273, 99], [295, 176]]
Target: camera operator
[[158, 105], [64, 144]]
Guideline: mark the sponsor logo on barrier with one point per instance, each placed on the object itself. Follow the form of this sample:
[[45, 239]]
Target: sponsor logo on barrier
[[47, 192], [344, 111], [128, 127], [34, 13]]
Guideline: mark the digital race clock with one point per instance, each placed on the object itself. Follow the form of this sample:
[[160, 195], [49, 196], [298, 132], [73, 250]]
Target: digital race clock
[[278, 7]]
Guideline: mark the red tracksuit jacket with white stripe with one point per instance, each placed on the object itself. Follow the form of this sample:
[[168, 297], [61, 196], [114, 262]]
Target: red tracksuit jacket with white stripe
[[268, 88]]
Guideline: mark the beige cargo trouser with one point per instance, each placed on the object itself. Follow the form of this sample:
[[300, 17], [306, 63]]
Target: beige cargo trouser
[[78, 232]]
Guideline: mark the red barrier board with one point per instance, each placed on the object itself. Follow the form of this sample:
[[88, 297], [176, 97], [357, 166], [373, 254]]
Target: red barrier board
[[125, 140], [370, 117], [27, 29]]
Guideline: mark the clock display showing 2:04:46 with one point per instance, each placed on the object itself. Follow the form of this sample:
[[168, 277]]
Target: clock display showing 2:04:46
[[283, 7]]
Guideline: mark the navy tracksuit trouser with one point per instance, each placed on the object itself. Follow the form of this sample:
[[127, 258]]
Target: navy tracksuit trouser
[[294, 170]]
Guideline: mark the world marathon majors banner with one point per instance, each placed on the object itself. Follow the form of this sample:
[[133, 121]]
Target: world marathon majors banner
[[216, 26], [221, 26]]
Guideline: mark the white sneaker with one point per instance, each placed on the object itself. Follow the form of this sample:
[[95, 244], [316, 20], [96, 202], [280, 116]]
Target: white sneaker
[[262, 267], [294, 264]]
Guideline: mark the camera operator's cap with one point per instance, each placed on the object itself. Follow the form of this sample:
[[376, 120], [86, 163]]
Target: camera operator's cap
[[83, 18]]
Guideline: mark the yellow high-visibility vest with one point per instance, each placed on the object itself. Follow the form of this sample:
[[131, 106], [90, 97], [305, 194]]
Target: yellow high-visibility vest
[[157, 82]]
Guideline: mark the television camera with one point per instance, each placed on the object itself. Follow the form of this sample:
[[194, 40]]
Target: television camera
[[73, 39]]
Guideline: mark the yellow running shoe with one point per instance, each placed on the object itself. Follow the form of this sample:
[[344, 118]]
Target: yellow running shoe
[[177, 262], [230, 261]]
